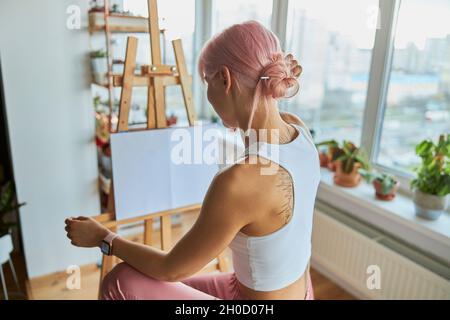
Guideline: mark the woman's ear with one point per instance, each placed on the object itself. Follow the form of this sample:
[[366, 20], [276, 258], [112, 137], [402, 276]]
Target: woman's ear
[[226, 78]]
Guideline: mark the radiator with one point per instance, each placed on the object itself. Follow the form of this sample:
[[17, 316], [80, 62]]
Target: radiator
[[351, 254]]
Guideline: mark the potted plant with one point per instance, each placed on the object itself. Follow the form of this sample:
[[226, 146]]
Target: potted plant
[[172, 120], [95, 7], [7, 205], [385, 185], [214, 118], [350, 160], [323, 157], [99, 65], [329, 154], [432, 183]]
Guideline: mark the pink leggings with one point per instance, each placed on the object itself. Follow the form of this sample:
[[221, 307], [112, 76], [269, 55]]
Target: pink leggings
[[126, 283]]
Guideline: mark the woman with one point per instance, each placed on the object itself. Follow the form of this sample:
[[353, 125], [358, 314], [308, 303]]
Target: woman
[[266, 219]]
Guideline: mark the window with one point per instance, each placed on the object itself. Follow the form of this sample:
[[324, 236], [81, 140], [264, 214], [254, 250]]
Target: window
[[334, 44], [228, 12], [335, 49], [418, 98]]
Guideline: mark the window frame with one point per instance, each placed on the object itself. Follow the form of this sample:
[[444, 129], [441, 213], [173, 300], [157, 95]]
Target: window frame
[[202, 33], [377, 90]]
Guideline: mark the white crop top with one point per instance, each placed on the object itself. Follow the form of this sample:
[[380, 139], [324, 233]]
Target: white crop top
[[276, 260]]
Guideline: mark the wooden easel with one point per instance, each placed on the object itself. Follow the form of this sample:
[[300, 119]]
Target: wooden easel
[[155, 77]]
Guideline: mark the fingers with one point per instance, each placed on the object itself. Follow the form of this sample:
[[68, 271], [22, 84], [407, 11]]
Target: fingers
[[68, 227], [68, 220]]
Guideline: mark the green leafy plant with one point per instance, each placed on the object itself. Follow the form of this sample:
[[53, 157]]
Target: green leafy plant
[[328, 143], [115, 8], [387, 181], [214, 118], [350, 155], [332, 147], [433, 175], [96, 101], [7, 204], [98, 54]]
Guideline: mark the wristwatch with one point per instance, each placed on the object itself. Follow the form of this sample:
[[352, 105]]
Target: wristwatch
[[106, 245]]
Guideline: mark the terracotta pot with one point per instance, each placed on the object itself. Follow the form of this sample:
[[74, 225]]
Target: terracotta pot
[[379, 193], [331, 165], [323, 157], [349, 180], [107, 150]]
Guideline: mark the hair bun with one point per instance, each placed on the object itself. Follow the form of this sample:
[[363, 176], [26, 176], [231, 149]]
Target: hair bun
[[277, 78]]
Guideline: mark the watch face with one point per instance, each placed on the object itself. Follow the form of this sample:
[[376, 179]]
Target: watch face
[[105, 247]]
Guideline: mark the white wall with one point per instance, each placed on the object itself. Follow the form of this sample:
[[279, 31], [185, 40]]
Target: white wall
[[51, 123]]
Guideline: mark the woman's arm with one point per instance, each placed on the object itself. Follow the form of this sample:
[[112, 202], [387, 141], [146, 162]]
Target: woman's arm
[[225, 211]]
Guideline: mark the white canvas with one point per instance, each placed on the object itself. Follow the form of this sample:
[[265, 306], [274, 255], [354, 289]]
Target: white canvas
[[146, 180]]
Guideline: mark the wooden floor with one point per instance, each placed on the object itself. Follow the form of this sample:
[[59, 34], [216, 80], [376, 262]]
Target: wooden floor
[[53, 286]]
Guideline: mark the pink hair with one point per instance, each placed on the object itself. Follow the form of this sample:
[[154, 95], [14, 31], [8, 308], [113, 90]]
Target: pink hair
[[250, 51]]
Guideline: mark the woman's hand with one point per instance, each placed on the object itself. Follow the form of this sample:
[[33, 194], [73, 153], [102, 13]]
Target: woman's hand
[[85, 232]]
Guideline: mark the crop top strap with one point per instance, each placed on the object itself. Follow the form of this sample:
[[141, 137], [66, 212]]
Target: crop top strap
[[305, 130]]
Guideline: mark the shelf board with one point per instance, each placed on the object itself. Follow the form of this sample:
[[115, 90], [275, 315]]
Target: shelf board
[[118, 23], [119, 29], [99, 84]]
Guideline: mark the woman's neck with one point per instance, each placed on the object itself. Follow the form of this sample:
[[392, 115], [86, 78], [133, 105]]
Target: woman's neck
[[268, 126]]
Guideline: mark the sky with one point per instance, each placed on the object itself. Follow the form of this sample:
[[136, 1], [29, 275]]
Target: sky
[[421, 19]]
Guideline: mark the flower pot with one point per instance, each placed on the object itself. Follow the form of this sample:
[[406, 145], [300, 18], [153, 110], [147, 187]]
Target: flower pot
[[6, 247], [331, 165], [323, 157], [99, 68], [385, 196], [429, 206], [349, 180]]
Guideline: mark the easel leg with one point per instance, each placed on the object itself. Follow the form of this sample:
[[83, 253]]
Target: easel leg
[[127, 86], [151, 115], [166, 232], [160, 110], [148, 232], [184, 81]]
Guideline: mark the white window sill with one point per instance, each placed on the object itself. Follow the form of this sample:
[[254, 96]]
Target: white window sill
[[396, 217]]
